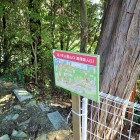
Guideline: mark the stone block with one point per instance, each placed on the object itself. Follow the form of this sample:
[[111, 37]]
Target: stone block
[[57, 120], [22, 94]]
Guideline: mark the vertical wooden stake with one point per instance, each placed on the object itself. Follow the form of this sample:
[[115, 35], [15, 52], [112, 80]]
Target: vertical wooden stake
[[76, 107]]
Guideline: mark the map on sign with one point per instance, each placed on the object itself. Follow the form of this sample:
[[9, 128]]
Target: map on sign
[[78, 73]]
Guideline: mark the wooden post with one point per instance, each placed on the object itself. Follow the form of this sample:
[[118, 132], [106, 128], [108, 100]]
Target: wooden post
[[76, 107]]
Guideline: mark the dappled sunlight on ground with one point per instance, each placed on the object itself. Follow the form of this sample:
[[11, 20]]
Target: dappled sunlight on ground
[[5, 98], [60, 135], [28, 117]]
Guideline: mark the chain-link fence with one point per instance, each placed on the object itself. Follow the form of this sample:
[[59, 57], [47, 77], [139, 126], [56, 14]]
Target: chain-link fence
[[113, 119]]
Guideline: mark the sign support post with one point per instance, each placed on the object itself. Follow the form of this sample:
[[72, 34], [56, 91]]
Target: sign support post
[[76, 107]]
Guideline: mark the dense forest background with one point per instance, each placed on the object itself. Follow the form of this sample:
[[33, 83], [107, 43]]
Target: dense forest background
[[30, 30]]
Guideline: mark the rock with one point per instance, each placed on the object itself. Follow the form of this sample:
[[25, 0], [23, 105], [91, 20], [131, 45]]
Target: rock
[[31, 103], [5, 137], [15, 117], [18, 107], [6, 127], [19, 134], [42, 137], [60, 135], [11, 117], [44, 107], [8, 118], [57, 120], [14, 133], [25, 122], [22, 94]]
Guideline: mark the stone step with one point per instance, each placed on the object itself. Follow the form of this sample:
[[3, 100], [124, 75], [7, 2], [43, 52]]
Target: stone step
[[22, 94], [19, 134], [43, 107], [57, 121]]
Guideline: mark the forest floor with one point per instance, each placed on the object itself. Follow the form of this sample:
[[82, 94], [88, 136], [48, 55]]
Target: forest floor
[[26, 120]]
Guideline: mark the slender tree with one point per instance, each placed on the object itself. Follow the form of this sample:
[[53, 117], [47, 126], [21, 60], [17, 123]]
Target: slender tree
[[4, 39], [52, 23], [84, 25], [35, 30]]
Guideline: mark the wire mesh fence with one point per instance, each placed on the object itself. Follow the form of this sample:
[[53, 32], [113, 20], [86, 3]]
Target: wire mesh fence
[[113, 119]]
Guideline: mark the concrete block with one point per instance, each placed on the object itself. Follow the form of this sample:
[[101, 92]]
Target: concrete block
[[57, 120], [22, 94]]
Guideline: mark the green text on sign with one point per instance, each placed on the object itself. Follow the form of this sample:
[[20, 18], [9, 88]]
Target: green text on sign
[[78, 73]]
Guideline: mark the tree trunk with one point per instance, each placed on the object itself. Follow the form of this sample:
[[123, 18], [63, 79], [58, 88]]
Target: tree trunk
[[35, 30], [119, 49], [84, 25], [4, 49], [61, 12], [52, 23]]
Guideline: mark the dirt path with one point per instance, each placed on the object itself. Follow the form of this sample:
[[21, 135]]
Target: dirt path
[[27, 120]]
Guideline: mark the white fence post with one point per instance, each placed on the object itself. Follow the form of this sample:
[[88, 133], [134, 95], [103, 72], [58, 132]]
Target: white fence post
[[84, 118]]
